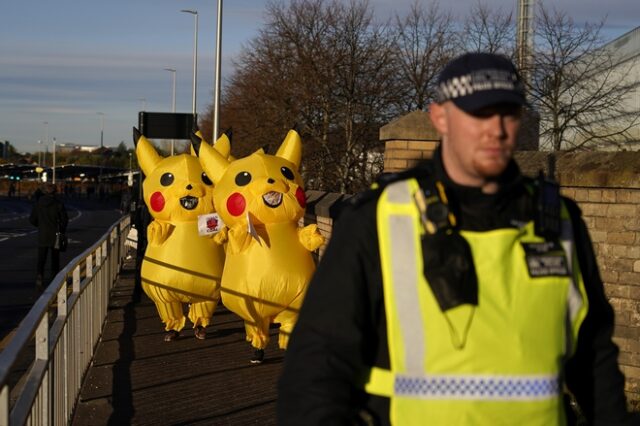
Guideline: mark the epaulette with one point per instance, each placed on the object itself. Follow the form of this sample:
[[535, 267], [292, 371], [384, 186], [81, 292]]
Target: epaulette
[[363, 197]]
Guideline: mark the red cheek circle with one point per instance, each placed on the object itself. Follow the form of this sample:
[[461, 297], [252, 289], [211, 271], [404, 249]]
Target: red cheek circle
[[236, 204], [157, 201], [302, 199]]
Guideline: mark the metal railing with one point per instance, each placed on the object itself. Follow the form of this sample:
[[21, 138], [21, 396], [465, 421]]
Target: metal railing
[[58, 337]]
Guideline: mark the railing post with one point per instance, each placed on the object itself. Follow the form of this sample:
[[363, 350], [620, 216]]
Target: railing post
[[42, 353], [73, 344], [4, 406], [85, 304], [117, 243], [62, 376]]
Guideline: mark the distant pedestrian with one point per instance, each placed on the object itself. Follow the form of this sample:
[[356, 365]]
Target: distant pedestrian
[[125, 201], [50, 216], [36, 194]]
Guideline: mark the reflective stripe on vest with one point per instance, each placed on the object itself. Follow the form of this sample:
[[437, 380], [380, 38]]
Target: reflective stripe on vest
[[442, 374]]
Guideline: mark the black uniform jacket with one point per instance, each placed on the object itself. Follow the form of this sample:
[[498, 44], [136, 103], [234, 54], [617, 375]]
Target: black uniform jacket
[[341, 331], [50, 216]]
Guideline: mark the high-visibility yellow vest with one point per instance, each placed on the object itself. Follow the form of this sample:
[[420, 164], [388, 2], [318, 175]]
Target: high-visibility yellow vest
[[497, 363]]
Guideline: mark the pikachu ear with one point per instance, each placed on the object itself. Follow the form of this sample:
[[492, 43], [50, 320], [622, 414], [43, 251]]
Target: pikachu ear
[[136, 136], [196, 140], [148, 157], [223, 145], [213, 162], [291, 148]]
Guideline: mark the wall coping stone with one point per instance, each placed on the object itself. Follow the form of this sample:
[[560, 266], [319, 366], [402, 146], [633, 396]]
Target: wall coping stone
[[584, 169], [414, 126], [325, 204]]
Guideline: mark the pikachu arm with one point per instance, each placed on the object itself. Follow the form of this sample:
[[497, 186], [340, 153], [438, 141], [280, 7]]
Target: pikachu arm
[[222, 236], [310, 237], [158, 232], [239, 239]]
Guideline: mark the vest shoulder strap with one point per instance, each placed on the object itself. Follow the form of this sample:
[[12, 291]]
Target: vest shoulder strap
[[547, 206]]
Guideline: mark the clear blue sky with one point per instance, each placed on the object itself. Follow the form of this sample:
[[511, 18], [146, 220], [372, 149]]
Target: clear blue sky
[[65, 61]]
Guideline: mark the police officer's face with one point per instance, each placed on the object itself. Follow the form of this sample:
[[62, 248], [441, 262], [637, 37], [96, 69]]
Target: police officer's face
[[477, 147]]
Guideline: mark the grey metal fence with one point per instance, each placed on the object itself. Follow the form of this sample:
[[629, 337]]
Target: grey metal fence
[[42, 368]]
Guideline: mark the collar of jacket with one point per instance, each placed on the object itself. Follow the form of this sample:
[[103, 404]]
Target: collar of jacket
[[477, 210]]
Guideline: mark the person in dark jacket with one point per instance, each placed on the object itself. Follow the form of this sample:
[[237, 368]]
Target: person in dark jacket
[[459, 292], [49, 215]]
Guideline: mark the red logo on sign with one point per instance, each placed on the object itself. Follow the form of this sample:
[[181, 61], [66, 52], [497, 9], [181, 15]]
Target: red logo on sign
[[212, 223]]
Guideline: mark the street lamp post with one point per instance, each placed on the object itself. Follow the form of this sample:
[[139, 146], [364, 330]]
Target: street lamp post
[[144, 103], [195, 57], [173, 99], [46, 138], [53, 177], [39, 152], [216, 95], [101, 114]]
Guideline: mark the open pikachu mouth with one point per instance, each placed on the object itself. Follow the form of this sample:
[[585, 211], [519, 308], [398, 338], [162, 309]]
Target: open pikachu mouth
[[272, 199], [189, 202]]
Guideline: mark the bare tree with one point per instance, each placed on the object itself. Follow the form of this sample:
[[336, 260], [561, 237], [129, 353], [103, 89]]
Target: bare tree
[[263, 97], [326, 67], [578, 85], [308, 29], [364, 86], [489, 30], [424, 42]]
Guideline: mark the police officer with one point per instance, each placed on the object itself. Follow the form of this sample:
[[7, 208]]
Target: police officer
[[459, 292]]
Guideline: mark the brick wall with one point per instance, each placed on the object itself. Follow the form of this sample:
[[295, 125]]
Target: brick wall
[[612, 218], [407, 140]]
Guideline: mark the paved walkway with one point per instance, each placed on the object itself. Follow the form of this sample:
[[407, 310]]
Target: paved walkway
[[138, 379]]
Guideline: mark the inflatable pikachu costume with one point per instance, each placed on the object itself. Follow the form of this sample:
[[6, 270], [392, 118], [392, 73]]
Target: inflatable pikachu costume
[[268, 264], [179, 265]]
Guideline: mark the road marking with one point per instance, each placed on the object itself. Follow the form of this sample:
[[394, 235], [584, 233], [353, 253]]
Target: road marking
[[9, 219], [15, 234]]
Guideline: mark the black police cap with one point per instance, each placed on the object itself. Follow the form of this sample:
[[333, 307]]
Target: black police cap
[[478, 80]]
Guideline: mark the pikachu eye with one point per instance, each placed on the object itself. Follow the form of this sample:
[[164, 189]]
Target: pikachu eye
[[166, 179], [243, 178], [206, 179], [286, 172]]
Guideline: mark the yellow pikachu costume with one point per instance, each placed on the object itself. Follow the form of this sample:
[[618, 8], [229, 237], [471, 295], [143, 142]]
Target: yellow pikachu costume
[[268, 263], [179, 265]]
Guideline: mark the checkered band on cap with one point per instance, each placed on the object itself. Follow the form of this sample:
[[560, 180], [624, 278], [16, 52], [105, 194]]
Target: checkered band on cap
[[476, 82], [478, 387]]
